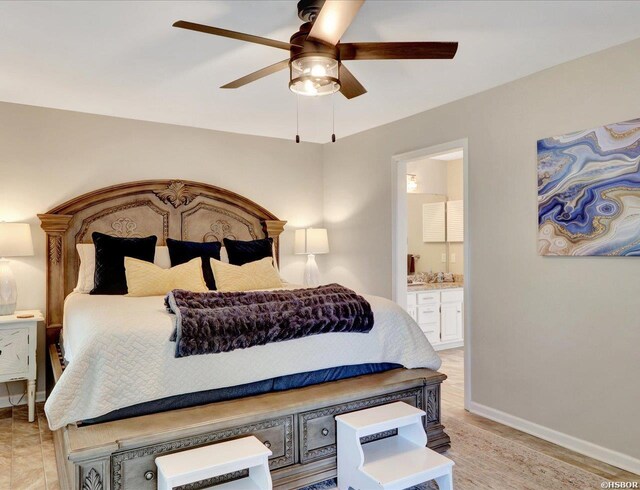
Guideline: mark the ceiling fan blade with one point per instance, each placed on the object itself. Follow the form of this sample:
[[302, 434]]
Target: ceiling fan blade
[[398, 51], [216, 31], [256, 75], [350, 87], [334, 19]]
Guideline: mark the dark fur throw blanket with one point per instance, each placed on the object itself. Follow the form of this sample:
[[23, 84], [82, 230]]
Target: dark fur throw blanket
[[220, 322]]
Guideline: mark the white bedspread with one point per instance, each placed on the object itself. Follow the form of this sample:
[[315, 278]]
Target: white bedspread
[[119, 355]]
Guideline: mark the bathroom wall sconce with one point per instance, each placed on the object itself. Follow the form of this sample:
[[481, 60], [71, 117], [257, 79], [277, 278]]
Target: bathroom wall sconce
[[412, 183]]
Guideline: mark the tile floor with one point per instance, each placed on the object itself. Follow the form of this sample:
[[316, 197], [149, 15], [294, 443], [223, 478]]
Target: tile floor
[[27, 457]]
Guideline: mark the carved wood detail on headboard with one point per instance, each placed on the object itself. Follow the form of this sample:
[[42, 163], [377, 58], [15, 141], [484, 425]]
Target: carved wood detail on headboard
[[178, 209], [124, 226]]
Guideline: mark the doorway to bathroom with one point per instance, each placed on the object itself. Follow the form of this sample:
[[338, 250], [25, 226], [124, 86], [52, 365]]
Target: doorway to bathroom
[[431, 243]]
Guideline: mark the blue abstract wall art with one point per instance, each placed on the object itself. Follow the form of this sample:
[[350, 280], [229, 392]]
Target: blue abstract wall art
[[589, 192]]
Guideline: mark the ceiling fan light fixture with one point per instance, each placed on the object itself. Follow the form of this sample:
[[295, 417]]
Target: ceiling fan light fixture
[[316, 53], [314, 75]]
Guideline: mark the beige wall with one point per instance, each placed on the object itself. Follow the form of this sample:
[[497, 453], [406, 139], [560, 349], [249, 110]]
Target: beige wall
[[48, 156], [554, 340], [431, 175]]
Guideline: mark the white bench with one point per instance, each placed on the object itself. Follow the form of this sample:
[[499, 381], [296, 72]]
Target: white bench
[[393, 463], [218, 459]]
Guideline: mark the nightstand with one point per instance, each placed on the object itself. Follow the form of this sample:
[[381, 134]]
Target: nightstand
[[18, 342]]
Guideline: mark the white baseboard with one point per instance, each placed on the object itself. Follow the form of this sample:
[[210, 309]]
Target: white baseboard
[[448, 345], [581, 446], [4, 400]]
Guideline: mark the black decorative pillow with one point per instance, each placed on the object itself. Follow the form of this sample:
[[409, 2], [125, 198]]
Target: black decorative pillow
[[109, 276], [181, 252], [241, 252]]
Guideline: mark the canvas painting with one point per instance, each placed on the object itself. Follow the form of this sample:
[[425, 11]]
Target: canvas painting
[[589, 192]]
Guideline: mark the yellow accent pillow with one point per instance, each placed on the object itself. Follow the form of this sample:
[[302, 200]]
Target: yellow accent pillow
[[147, 279], [260, 274]]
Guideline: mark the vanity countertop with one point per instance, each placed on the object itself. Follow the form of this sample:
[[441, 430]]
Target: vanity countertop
[[415, 288]]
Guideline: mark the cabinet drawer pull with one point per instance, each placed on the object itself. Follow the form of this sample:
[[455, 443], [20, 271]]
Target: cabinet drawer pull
[[325, 432], [149, 475], [267, 444]]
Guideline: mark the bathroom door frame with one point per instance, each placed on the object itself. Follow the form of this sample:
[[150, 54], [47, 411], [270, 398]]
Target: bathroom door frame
[[400, 234]]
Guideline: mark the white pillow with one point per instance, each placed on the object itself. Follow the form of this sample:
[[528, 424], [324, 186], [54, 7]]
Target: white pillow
[[87, 269], [162, 258], [87, 254]]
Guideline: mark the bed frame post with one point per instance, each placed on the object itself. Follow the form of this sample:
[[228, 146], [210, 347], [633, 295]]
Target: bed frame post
[[273, 228], [55, 226]]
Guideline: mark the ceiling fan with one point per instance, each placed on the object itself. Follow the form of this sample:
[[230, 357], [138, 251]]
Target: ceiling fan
[[316, 56]]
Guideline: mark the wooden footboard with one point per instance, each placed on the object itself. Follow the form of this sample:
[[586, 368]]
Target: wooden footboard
[[298, 425]]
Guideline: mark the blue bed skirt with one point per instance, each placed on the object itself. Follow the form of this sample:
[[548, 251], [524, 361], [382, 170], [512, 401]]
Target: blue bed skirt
[[280, 383]]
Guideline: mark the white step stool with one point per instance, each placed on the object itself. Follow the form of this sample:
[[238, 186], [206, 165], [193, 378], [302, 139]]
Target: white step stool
[[393, 463], [205, 462]]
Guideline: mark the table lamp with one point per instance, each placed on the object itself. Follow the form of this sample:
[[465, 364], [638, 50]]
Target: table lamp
[[311, 241], [15, 241]]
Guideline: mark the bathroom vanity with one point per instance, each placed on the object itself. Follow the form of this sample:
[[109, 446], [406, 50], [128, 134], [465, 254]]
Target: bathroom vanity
[[438, 310]]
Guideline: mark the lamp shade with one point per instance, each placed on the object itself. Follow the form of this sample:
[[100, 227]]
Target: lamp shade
[[311, 241], [15, 240]]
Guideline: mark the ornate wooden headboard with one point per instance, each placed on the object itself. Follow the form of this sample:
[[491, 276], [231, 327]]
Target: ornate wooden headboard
[[177, 209]]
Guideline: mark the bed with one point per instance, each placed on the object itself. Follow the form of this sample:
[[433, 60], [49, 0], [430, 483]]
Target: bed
[[121, 398]]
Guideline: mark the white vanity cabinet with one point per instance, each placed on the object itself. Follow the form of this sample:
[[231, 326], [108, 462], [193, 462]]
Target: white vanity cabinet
[[439, 313]]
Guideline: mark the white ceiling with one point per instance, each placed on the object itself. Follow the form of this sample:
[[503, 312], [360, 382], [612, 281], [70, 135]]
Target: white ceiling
[[124, 58]]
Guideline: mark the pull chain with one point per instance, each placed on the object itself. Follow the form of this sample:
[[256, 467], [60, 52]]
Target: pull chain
[[297, 119], [333, 119]]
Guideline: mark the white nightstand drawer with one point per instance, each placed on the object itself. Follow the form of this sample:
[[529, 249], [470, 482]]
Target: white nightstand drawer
[[18, 341], [428, 314], [427, 298], [14, 352]]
